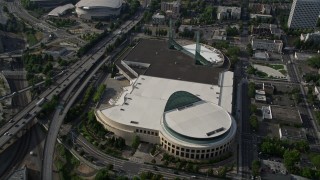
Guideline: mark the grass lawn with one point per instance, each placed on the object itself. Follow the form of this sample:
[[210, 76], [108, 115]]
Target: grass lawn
[[31, 39], [276, 66], [284, 72], [261, 74]]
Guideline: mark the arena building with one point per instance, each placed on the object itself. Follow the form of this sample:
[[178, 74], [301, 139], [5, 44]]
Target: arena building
[[98, 9], [173, 102]]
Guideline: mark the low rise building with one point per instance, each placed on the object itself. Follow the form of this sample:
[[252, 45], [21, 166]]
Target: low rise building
[[262, 55], [292, 134], [260, 98], [225, 12], [158, 19], [267, 45], [183, 27], [315, 37], [259, 8], [219, 34], [303, 56], [268, 30], [171, 8], [268, 88], [266, 112], [262, 16]]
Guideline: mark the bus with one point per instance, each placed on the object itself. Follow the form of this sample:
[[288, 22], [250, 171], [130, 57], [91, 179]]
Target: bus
[[41, 101]]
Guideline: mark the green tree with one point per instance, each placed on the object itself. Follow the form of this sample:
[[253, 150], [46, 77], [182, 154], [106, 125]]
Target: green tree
[[251, 90], [316, 161], [249, 49], [290, 158], [102, 174], [136, 142], [210, 172], [232, 31], [253, 109], [110, 166], [48, 82], [255, 167], [254, 122], [222, 171], [307, 172], [196, 168]]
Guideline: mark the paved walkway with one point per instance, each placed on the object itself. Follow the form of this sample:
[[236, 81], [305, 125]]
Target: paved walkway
[[270, 71]]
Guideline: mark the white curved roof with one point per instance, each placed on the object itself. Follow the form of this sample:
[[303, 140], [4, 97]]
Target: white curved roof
[[202, 120], [209, 53], [60, 10], [99, 3]]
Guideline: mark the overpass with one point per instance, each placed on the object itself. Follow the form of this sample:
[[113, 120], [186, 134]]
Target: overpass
[[5, 56], [14, 73], [60, 113], [25, 118]]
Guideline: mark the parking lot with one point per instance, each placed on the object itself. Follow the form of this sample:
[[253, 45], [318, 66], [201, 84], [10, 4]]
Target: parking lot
[[114, 88]]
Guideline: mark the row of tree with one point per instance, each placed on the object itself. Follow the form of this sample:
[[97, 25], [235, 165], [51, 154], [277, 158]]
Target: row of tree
[[83, 50]]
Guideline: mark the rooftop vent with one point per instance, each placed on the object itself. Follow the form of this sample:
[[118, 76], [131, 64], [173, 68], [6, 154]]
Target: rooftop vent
[[121, 109], [134, 122], [215, 131]]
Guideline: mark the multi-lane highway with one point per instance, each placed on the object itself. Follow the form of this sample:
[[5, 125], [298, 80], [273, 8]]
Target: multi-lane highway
[[29, 112], [16, 8], [61, 112], [58, 119]]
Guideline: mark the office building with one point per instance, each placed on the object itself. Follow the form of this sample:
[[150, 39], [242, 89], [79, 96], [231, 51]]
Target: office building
[[267, 45], [304, 14], [225, 12], [171, 8]]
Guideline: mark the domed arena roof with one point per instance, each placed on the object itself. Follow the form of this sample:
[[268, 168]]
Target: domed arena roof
[[186, 116], [180, 99]]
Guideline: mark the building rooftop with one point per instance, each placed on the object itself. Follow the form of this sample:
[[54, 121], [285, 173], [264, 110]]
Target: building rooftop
[[167, 63], [89, 4], [143, 103], [225, 8], [259, 97], [200, 120], [210, 54], [60, 10], [261, 92], [158, 16], [261, 55], [304, 56], [266, 40]]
